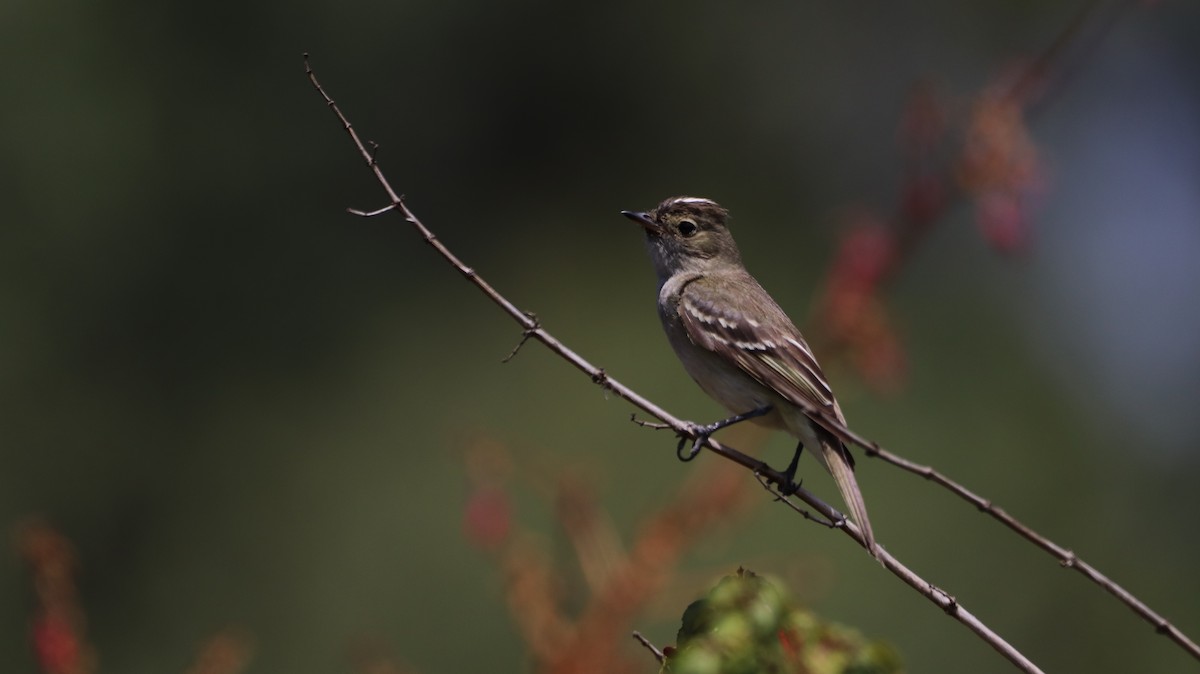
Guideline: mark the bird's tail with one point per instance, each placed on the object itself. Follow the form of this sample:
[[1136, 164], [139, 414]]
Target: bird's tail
[[837, 461]]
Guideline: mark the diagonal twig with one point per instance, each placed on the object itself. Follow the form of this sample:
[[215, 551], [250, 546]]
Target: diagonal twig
[[658, 654], [1065, 556]]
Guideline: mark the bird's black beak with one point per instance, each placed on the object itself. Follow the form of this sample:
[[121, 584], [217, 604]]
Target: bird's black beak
[[642, 219]]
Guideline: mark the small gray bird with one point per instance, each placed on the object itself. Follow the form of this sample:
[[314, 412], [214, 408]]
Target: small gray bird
[[736, 342]]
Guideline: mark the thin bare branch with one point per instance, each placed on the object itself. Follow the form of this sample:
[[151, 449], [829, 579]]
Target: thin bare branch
[[1066, 557], [600, 377], [658, 654]]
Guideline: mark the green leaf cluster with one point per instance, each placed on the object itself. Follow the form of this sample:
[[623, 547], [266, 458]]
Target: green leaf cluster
[[747, 624]]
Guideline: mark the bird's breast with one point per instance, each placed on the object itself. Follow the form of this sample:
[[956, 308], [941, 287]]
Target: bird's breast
[[722, 380]]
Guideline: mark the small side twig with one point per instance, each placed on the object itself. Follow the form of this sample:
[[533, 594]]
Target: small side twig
[[780, 496], [648, 424], [658, 654], [525, 335]]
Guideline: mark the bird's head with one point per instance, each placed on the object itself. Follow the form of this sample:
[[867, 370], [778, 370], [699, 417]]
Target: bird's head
[[687, 234]]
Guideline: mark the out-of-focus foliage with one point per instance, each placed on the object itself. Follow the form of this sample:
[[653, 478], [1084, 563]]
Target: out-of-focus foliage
[[747, 624]]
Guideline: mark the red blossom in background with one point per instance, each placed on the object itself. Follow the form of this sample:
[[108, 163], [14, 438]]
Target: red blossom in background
[[487, 517], [1002, 219], [57, 633], [995, 167], [999, 169], [568, 629], [853, 315], [56, 644]]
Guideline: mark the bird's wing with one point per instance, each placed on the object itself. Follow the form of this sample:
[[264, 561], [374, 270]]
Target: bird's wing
[[735, 318], [756, 335]]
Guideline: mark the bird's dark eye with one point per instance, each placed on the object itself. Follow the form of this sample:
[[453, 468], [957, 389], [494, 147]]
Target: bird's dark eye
[[687, 227]]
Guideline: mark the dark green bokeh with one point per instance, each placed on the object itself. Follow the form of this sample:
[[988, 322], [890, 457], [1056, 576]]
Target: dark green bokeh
[[246, 407]]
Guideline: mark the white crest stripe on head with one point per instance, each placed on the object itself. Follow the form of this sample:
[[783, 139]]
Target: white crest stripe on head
[[693, 200]]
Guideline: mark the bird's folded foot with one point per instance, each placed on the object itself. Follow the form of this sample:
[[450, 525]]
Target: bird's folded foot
[[698, 435], [789, 487]]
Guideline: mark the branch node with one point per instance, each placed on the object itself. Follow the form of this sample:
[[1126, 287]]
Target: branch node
[[648, 424], [525, 335], [600, 378], [839, 523], [374, 152], [951, 606], [1069, 559]]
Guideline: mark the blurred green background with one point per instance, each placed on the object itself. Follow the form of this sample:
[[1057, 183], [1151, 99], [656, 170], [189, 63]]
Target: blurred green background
[[246, 407]]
